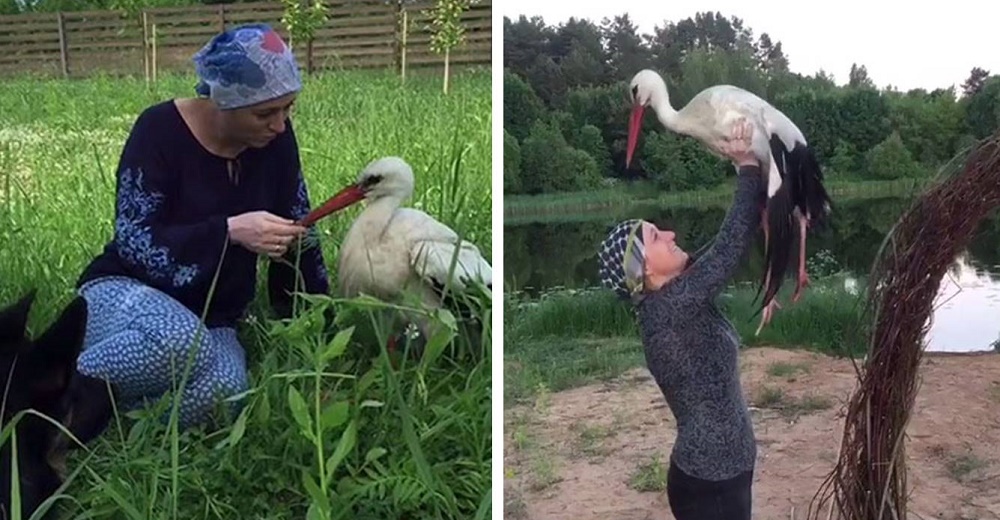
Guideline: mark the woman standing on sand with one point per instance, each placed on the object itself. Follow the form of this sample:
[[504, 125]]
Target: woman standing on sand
[[691, 348]]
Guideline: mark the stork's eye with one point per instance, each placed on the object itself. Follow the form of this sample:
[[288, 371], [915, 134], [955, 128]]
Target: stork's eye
[[371, 180], [635, 91]]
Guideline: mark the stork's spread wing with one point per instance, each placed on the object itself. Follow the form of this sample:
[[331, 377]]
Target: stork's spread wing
[[439, 256]]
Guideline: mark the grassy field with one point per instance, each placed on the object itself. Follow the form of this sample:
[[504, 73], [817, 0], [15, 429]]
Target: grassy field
[[330, 431], [567, 338]]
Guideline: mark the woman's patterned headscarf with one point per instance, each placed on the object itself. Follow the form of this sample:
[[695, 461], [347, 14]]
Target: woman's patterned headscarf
[[246, 65], [621, 259]]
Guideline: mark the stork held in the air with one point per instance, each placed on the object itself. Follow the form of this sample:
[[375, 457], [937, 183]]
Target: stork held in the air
[[390, 249], [793, 175]]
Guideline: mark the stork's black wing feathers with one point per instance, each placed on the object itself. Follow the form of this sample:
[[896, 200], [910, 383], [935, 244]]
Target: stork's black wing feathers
[[780, 223]]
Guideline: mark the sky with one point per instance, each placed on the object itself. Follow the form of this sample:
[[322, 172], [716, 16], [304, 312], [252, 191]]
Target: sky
[[902, 46]]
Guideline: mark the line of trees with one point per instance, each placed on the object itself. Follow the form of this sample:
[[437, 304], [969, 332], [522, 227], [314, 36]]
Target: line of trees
[[566, 106]]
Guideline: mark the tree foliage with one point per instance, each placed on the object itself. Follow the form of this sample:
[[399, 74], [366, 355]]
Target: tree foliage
[[559, 166], [447, 31], [573, 78], [511, 164], [302, 18]]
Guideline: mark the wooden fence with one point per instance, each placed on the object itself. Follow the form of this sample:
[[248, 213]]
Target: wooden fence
[[358, 34]]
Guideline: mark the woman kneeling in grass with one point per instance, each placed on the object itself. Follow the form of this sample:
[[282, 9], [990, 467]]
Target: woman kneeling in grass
[[691, 348], [199, 177]]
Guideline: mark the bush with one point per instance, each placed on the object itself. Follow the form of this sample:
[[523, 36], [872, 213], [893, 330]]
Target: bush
[[891, 160], [678, 163], [549, 164], [511, 164], [588, 138], [521, 106]]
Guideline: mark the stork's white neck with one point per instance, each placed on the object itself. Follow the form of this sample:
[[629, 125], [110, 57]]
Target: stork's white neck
[[659, 101], [379, 211]]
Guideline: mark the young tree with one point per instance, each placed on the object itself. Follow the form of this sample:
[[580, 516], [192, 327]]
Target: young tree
[[446, 29], [302, 18]]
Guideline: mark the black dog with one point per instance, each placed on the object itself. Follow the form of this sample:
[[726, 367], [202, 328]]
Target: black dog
[[41, 374]]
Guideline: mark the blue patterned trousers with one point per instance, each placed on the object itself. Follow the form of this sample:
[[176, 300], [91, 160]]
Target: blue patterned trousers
[[140, 339]]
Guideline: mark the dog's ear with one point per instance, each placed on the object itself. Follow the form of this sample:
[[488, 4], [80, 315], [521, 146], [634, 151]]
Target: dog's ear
[[54, 353], [91, 402], [14, 320]]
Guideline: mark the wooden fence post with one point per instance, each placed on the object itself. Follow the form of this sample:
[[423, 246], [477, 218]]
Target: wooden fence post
[[154, 52], [402, 25], [145, 44], [222, 17], [402, 50], [309, 56], [63, 58]]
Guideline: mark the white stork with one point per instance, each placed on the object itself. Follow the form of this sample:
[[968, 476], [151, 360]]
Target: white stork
[[390, 249], [779, 145]]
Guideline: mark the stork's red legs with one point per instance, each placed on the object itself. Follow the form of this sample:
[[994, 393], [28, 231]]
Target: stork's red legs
[[763, 223], [390, 346], [803, 276], [766, 313], [773, 305]]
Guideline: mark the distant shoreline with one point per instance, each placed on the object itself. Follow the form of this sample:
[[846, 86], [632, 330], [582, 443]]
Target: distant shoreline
[[549, 207]]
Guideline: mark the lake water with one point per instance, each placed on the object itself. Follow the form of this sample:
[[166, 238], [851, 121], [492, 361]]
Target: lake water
[[561, 252]]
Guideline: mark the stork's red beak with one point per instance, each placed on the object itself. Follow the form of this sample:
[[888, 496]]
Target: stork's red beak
[[345, 197], [634, 125]]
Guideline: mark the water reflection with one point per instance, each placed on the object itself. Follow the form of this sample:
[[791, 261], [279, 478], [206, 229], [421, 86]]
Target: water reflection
[[539, 256], [966, 315], [966, 311]]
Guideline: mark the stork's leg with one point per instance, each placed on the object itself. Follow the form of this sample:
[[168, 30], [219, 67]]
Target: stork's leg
[[803, 275], [766, 313], [763, 225], [773, 305], [390, 347], [768, 310]]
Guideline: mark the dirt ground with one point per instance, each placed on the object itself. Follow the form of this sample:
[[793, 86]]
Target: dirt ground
[[600, 451]]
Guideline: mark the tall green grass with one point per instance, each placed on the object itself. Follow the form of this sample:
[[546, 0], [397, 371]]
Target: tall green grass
[[330, 430]]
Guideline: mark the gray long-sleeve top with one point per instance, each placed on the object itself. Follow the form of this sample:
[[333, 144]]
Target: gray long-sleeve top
[[692, 349]]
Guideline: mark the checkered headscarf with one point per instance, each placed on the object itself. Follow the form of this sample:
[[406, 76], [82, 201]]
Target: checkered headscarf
[[621, 259]]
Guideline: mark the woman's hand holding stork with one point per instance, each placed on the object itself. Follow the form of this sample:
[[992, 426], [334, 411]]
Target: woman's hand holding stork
[[263, 233], [737, 147]]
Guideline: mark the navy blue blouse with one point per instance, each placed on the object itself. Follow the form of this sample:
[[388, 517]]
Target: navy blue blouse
[[173, 199]]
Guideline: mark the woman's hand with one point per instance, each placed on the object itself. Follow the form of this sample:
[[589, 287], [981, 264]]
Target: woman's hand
[[737, 148], [263, 233]]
